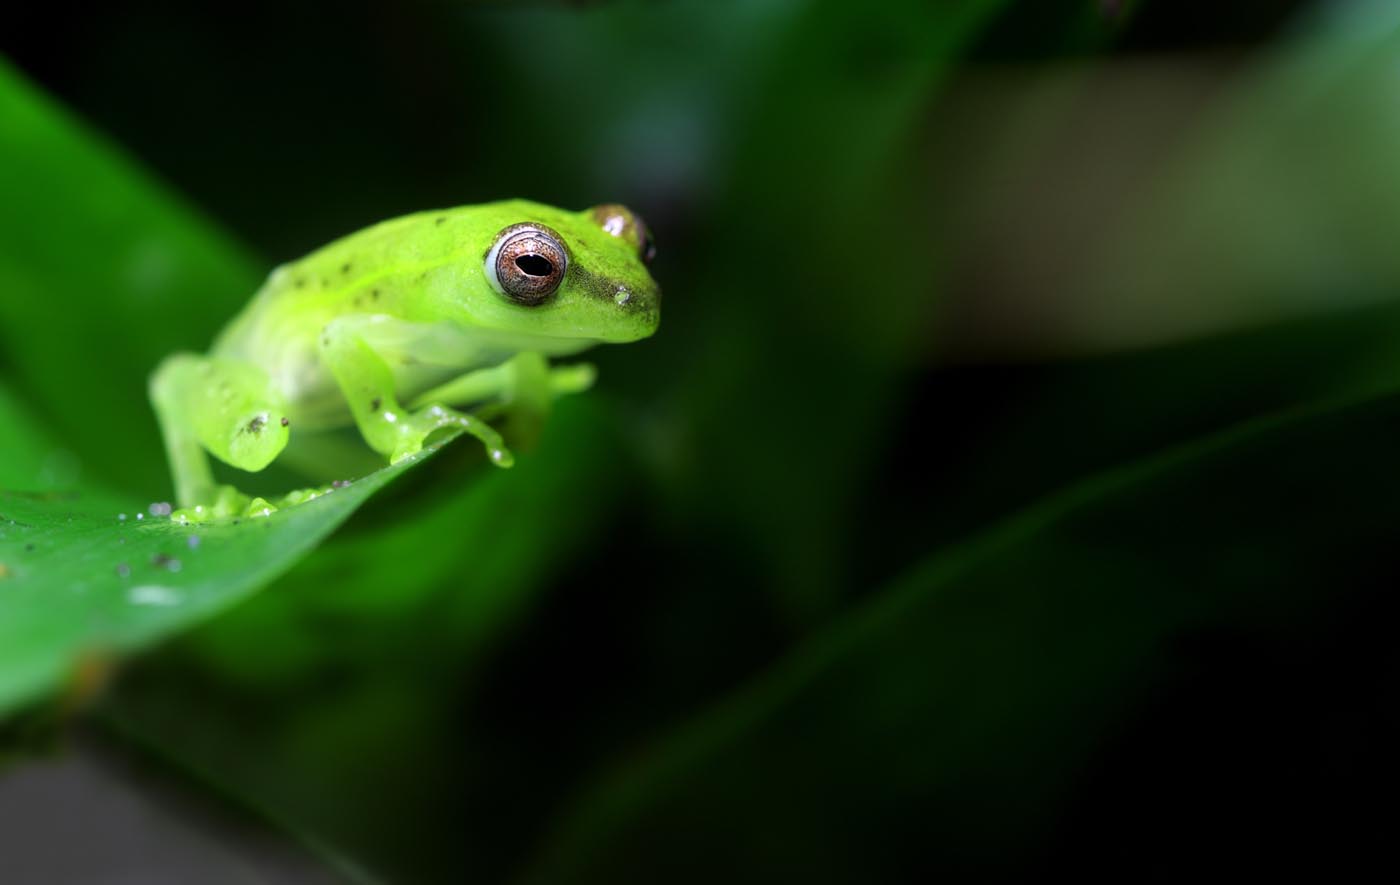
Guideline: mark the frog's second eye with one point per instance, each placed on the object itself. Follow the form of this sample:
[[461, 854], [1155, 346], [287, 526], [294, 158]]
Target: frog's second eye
[[627, 225], [526, 263]]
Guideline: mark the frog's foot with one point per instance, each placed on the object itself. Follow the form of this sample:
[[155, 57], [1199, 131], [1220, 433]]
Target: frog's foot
[[227, 503], [230, 503], [415, 428]]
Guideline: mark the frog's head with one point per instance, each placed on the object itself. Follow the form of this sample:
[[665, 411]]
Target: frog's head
[[566, 275]]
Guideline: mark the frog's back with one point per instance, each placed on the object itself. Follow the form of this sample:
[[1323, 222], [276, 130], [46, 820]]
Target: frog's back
[[369, 271]]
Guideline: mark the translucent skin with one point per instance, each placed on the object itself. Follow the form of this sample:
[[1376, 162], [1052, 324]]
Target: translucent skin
[[389, 314]]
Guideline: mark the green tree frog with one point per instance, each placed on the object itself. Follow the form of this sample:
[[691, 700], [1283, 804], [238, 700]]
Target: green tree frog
[[400, 327]]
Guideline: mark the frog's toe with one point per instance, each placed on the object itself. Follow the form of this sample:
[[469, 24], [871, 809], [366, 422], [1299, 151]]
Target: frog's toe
[[260, 507]]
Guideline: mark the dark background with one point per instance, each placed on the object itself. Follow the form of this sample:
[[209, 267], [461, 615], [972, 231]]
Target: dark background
[[883, 561]]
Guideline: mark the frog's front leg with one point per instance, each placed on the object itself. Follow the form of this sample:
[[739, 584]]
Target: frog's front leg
[[226, 406], [523, 387], [367, 383]]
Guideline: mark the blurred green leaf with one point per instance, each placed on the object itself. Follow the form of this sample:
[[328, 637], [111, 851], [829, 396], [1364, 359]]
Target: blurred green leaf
[[31, 461], [102, 273], [780, 387], [950, 715]]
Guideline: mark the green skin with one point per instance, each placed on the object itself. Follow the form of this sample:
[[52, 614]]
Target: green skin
[[390, 328]]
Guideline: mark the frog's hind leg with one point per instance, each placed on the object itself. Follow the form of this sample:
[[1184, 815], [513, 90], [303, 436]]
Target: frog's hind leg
[[367, 383], [226, 407]]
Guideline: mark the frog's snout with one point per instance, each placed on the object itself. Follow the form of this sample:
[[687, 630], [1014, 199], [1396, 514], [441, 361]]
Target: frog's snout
[[638, 309]]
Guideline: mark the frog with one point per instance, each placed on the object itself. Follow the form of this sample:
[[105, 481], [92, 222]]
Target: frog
[[425, 325]]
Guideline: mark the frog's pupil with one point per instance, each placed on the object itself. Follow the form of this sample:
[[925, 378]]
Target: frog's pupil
[[535, 265]]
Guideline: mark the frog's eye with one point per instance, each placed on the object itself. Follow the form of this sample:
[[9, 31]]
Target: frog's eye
[[526, 263], [627, 225]]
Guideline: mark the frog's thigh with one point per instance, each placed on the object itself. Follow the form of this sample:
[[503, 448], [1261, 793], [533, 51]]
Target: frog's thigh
[[351, 348], [227, 406]]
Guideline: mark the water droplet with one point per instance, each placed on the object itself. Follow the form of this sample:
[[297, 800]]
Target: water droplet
[[121, 517], [153, 594], [193, 541], [123, 570], [159, 508], [622, 296], [140, 516]]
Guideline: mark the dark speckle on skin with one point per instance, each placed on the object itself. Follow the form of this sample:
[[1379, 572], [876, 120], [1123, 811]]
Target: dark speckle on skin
[[299, 283], [440, 219], [256, 425], [374, 404], [374, 294], [345, 268], [285, 421]]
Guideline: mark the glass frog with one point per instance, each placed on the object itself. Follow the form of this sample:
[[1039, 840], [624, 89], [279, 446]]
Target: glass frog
[[416, 324]]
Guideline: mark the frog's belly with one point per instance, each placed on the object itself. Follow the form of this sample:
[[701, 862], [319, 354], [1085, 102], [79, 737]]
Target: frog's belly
[[420, 356]]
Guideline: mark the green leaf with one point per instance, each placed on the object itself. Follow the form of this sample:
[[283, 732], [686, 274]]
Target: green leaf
[[88, 576]]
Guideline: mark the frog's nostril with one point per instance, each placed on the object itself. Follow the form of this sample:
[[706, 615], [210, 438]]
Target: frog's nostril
[[535, 265]]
